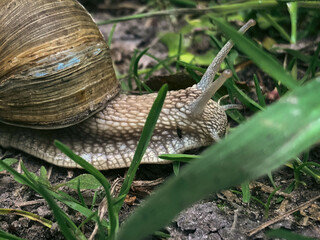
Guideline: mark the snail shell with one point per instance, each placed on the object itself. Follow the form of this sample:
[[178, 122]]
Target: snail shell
[[55, 67]]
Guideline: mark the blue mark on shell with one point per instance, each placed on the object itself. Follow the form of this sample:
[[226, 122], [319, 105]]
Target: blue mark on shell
[[96, 52], [40, 74], [71, 62]]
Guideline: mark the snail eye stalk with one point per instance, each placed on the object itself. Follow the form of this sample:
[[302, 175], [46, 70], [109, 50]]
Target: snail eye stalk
[[206, 84]]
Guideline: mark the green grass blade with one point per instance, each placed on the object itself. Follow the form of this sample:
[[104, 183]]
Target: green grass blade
[[131, 66], [143, 143], [251, 197], [94, 214], [293, 10], [277, 26], [66, 199], [72, 203], [267, 205], [135, 71], [113, 216], [81, 198], [22, 179], [246, 195], [31, 176], [176, 168], [4, 235], [303, 168], [36, 186], [63, 220], [304, 57], [191, 66], [61, 217], [179, 52], [216, 10], [286, 234], [184, 3], [262, 59], [31, 216], [262, 144], [314, 63], [232, 87], [111, 34], [261, 98], [179, 157], [244, 98], [160, 63]]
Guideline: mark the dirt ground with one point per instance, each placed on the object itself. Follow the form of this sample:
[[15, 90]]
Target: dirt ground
[[219, 216]]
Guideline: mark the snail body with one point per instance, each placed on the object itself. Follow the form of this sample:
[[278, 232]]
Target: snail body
[[58, 83], [109, 138]]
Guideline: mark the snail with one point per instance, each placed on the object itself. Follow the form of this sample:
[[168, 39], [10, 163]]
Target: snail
[[57, 82]]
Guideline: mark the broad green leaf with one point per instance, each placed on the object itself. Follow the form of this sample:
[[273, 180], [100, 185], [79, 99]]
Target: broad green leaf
[[87, 181], [9, 162], [262, 144], [171, 40]]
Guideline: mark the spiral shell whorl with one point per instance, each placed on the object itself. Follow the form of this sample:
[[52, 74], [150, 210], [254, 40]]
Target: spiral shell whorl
[[55, 68]]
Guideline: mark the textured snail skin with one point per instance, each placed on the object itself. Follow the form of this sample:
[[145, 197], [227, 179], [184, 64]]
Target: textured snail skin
[[109, 138]]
